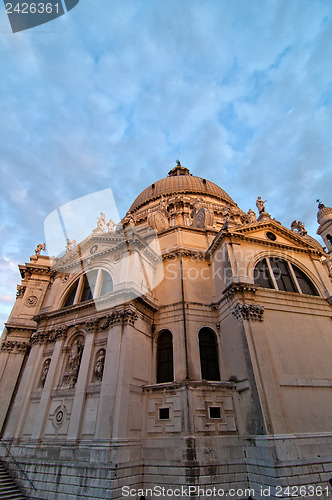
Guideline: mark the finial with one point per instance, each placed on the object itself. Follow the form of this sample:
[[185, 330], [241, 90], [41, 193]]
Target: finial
[[178, 163]]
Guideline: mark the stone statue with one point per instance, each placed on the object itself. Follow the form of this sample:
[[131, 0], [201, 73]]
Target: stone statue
[[251, 216], [110, 226], [70, 245], [226, 214], [75, 358], [39, 248], [101, 221], [45, 371], [260, 205], [99, 368], [299, 228], [328, 263]]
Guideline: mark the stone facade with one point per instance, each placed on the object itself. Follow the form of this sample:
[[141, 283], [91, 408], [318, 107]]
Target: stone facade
[[203, 361]]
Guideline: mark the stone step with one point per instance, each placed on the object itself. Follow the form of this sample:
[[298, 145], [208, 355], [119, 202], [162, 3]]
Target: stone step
[[8, 488]]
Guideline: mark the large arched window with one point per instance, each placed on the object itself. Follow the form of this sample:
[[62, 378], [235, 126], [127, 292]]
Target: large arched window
[[89, 286], [273, 272], [208, 354], [165, 357]]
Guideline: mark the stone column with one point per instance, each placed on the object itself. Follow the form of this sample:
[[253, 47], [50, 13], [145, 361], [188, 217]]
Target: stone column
[[11, 358], [22, 401], [50, 383], [80, 388], [108, 384]]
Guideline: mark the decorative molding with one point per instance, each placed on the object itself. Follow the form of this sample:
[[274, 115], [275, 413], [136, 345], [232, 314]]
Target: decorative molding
[[186, 253], [239, 287], [20, 291], [91, 324], [31, 301], [248, 312], [18, 346], [45, 336], [120, 317]]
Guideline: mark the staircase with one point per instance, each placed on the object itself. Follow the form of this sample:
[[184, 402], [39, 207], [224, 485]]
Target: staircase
[[8, 488]]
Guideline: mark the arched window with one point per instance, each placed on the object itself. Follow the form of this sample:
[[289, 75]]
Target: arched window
[[280, 274], [165, 357], [208, 354], [89, 286]]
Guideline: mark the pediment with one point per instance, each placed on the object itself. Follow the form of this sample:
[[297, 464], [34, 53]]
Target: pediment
[[272, 232], [90, 250], [269, 232]]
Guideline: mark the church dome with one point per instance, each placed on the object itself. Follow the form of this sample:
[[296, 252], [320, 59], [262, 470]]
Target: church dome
[[180, 180]]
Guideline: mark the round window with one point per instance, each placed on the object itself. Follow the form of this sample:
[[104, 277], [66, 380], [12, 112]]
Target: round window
[[271, 236]]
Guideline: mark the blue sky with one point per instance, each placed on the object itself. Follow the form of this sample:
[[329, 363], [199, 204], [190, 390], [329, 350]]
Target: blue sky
[[111, 94]]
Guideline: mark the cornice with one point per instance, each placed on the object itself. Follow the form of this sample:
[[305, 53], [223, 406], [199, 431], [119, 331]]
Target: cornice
[[27, 270], [13, 326], [233, 289]]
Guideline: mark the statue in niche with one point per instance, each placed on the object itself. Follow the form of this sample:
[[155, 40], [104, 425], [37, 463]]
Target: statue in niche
[[99, 367], [251, 216], [299, 228], [202, 214], [131, 220], [199, 218], [158, 218], [45, 369], [110, 226], [75, 359], [260, 205], [70, 245], [39, 248]]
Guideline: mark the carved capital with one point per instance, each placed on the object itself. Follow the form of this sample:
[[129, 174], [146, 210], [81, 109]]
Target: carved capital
[[20, 291], [14, 345], [61, 332], [120, 317], [47, 336], [91, 324], [248, 312]]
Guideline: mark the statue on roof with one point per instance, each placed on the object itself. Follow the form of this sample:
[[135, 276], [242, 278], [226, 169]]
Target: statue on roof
[[39, 248], [299, 228], [70, 245], [110, 226], [101, 221], [251, 216], [260, 205]]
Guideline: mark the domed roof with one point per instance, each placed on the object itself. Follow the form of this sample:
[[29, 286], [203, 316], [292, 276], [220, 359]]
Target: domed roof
[[323, 213], [180, 180]]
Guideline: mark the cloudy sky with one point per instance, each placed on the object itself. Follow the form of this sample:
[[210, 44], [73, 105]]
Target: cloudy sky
[[111, 94]]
